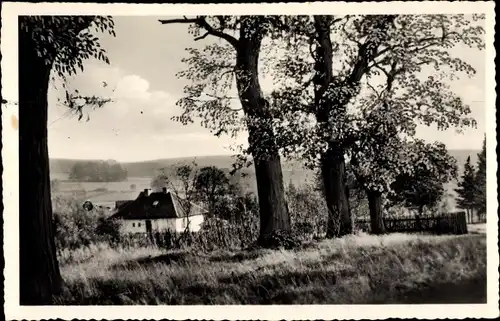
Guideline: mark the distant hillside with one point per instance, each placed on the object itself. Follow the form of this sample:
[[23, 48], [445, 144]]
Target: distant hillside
[[60, 168]]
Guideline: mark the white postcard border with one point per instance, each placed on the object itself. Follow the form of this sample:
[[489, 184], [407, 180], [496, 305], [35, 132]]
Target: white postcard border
[[10, 156]]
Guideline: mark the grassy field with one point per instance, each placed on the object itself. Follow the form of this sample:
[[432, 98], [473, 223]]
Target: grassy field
[[360, 269]]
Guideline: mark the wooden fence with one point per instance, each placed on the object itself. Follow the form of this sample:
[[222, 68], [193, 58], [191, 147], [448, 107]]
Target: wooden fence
[[451, 223]]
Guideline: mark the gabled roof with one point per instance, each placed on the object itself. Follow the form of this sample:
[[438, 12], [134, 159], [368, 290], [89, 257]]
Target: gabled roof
[[113, 196], [157, 205]]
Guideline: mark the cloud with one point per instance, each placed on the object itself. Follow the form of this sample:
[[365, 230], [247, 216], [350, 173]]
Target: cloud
[[132, 87], [136, 113]]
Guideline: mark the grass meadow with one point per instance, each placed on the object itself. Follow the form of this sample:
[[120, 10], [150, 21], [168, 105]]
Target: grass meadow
[[357, 269]]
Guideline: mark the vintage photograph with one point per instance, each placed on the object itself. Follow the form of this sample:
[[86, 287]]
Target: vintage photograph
[[241, 159]]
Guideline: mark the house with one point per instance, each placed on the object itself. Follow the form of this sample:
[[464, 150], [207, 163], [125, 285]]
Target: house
[[158, 212]]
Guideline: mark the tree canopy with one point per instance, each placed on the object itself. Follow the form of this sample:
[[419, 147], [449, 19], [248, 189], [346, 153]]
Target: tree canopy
[[374, 64], [211, 183], [422, 184]]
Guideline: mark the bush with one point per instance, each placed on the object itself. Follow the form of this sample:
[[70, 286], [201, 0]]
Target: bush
[[74, 226], [109, 230], [308, 211]]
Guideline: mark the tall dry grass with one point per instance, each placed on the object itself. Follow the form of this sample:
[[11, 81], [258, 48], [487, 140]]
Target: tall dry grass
[[359, 269]]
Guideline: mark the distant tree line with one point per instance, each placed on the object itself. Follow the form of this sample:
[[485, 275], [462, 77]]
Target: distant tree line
[[98, 171]]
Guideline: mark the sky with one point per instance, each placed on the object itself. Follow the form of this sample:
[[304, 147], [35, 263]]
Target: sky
[[144, 59]]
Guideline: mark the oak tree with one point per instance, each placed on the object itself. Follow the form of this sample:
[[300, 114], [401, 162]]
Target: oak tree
[[385, 52], [212, 72]]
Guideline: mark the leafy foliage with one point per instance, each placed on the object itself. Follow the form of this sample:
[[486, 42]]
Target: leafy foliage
[[211, 185], [378, 59], [63, 43], [220, 78], [429, 167], [74, 226], [307, 210]]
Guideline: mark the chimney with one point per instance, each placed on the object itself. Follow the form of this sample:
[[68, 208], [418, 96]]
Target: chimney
[[146, 192], [164, 190]]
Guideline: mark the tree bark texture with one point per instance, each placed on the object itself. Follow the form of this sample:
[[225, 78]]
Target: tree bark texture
[[377, 225], [339, 221], [40, 277], [273, 208]]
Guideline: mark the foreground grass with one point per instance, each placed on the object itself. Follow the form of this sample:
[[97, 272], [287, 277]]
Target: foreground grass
[[363, 269]]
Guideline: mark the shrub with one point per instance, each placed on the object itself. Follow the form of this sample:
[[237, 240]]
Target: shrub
[[74, 226], [109, 230], [308, 211]]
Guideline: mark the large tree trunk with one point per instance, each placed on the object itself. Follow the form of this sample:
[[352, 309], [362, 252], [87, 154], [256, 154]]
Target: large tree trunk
[[40, 278], [274, 215], [339, 221], [376, 216]]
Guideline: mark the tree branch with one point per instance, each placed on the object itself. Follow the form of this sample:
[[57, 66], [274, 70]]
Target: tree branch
[[183, 20], [220, 97], [217, 33], [202, 23], [379, 95], [202, 36], [348, 35]]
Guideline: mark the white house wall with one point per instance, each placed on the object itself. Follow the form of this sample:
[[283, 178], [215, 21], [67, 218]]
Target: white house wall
[[195, 222], [157, 225], [163, 224], [133, 226]]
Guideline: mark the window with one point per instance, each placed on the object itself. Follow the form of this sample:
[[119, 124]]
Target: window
[[138, 224], [133, 224], [155, 203]]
